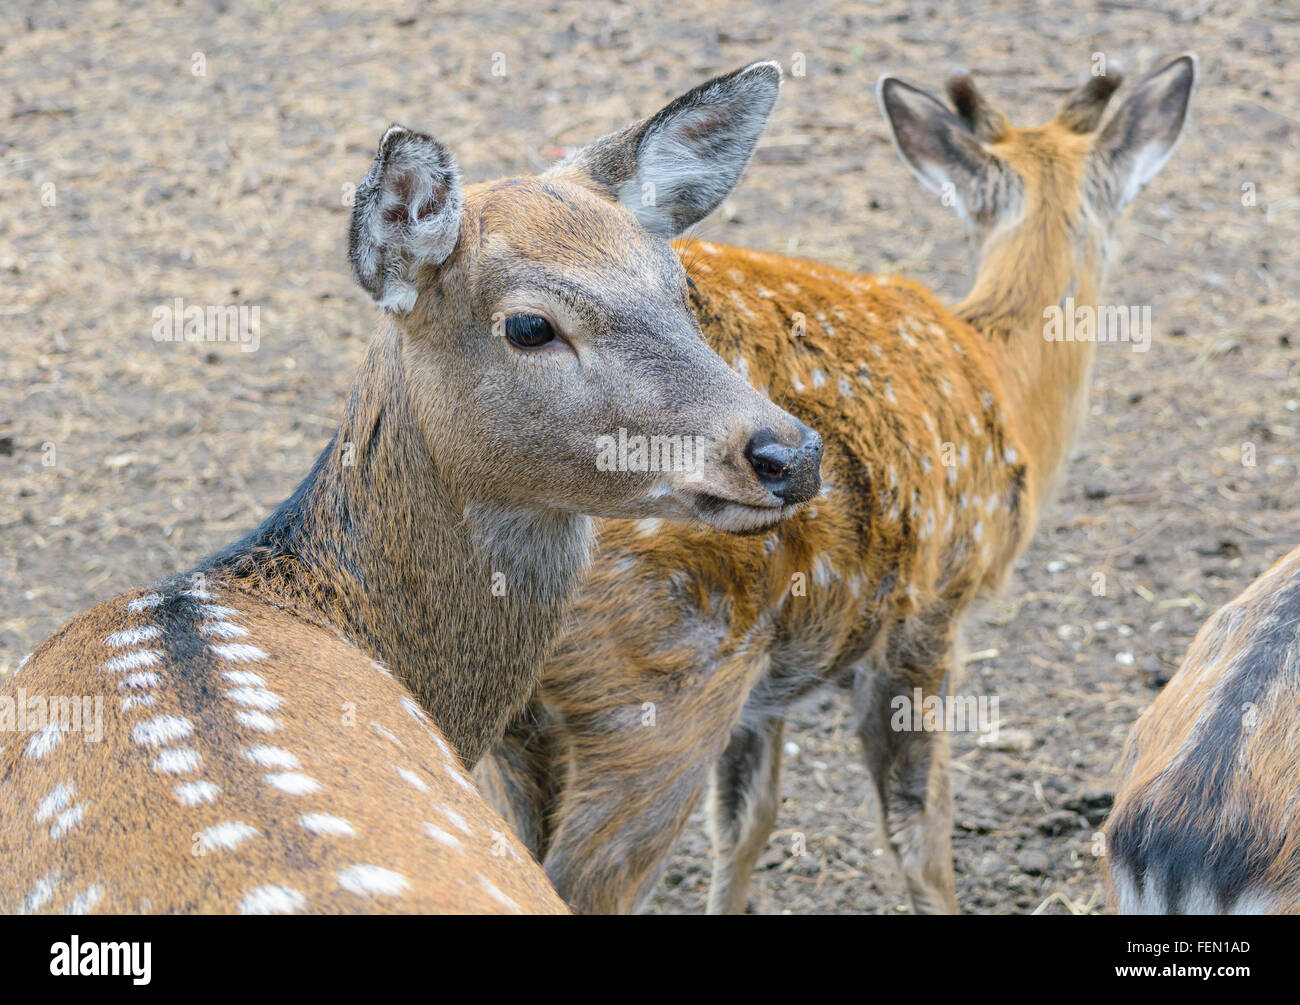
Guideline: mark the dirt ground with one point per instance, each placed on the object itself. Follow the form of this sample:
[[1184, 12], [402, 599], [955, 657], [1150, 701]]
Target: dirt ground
[[204, 151]]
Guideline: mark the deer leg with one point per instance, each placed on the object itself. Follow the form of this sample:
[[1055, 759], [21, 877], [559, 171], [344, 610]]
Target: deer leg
[[745, 796], [910, 771], [616, 824], [519, 776], [630, 785]]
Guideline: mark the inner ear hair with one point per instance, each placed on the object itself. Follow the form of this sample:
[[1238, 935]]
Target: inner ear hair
[[979, 116], [687, 156], [406, 213], [1083, 108]]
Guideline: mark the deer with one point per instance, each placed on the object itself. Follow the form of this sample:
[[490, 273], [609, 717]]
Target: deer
[[1204, 815], [288, 726], [944, 431]]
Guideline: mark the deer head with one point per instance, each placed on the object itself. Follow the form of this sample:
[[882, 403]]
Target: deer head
[[546, 331], [1067, 180]]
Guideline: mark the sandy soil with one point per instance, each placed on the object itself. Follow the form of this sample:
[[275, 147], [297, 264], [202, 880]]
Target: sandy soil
[[129, 178]]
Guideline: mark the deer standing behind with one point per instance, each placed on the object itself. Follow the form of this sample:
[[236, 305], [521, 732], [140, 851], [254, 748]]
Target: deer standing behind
[[276, 722], [1206, 817], [944, 432]]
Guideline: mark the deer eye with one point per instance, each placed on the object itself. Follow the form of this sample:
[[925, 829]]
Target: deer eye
[[528, 331]]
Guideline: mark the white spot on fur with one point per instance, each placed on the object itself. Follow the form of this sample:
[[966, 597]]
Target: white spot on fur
[[84, 903], [137, 701], [66, 820], [649, 526], [132, 661], [40, 745], [139, 681], [225, 836], [218, 612], [255, 697], [411, 778], [744, 308], [415, 711], [293, 782], [387, 733], [164, 729], [272, 757], [323, 823], [259, 721], [443, 746], [460, 779], [239, 652], [223, 629], [497, 895], [456, 819], [245, 678], [441, 836], [178, 761], [371, 879], [42, 893], [58, 798], [273, 899], [145, 602], [196, 793], [132, 636]]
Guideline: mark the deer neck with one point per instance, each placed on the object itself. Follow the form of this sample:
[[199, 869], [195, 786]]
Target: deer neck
[[458, 597], [1033, 269]]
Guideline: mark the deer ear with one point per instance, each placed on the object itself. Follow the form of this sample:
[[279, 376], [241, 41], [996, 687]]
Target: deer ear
[[1083, 108], [984, 120], [674, 168], [938, 147], [406, 214], [1137, 141]]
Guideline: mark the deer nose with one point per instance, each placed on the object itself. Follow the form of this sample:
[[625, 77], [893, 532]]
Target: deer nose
[[792, 474]]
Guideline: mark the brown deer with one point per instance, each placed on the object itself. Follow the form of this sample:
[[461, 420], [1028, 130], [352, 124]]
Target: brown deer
[[944, 433], [1206, 810], [284, 728]]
